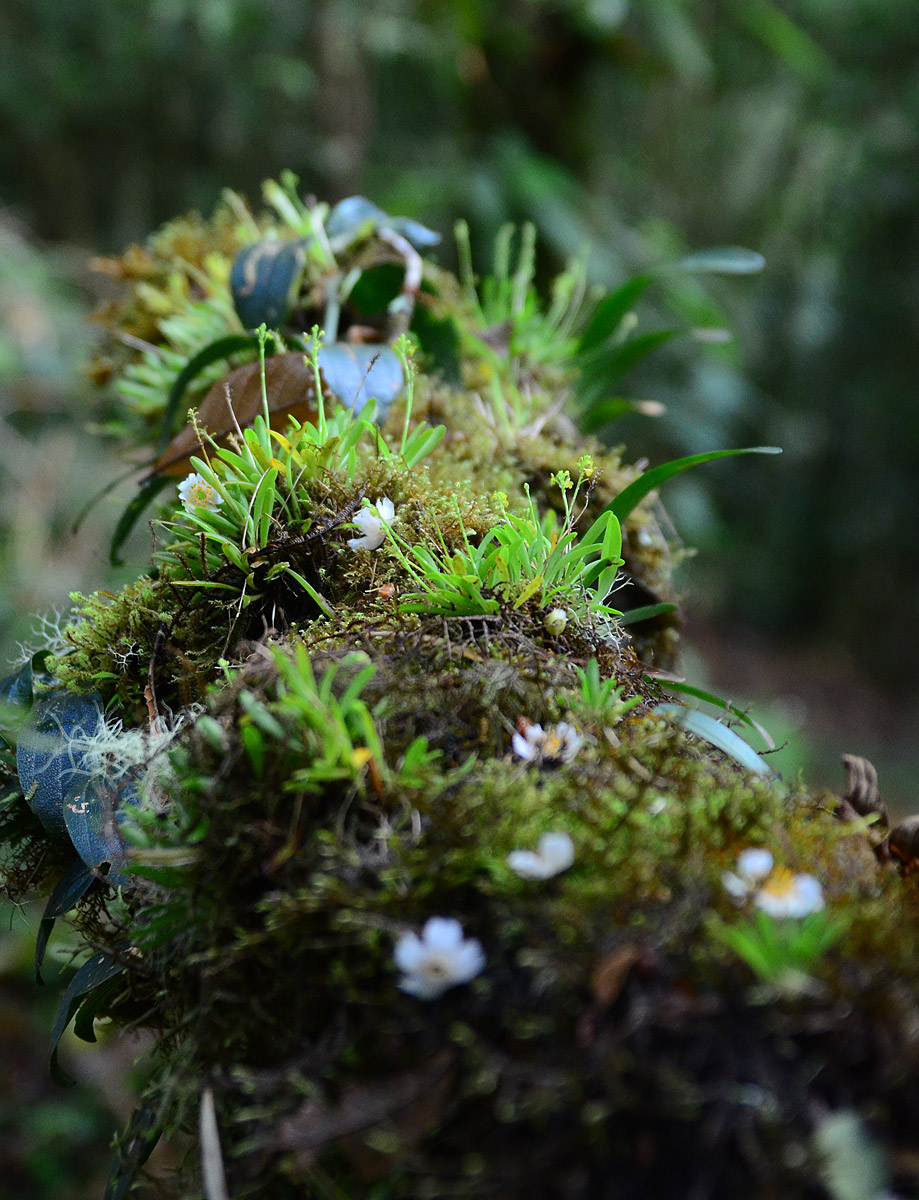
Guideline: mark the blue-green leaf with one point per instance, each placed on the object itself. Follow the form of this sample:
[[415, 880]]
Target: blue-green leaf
[[97, 971], [92, 815], [357, 373], [356, 217], [73, 884], [265, 279], [716, 734], [723, 260], [50, 753]]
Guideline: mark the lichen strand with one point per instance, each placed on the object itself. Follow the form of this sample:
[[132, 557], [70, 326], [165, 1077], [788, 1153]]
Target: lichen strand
[[601, 988]]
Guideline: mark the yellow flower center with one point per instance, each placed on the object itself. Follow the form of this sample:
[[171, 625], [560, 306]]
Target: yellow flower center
[[781, 883], [201, 495], [552, 745]]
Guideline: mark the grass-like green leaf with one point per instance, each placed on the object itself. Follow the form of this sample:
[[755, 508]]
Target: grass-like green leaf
[[609, 312], [701, 694], [647, 612], [146, 494], [630, 497]]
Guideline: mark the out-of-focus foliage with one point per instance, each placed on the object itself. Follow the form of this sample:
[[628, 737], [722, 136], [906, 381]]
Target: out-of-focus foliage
[[791, 128], [50, 463]]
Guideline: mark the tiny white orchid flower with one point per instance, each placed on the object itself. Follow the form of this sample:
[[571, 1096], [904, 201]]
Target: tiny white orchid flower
[[438, 960], [753, 865], [196, 492], [372, 521], [778, 891], [785, 894], [558, 743], [554, 853]]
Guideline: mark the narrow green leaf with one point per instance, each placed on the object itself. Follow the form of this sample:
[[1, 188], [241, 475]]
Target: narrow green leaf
[[603, 367], [701, 694], [607, 316], [146, 494], [312, 592], [646, 613], [416, 451], [629, 498], [134, 1148], [604, 412]]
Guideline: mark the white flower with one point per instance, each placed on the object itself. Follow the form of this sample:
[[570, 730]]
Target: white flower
[[440, 959], [558, 743], [372, 520], [776, 890], [785, 894], [554, 853], [555, 621], [195, 492], [753, 865]]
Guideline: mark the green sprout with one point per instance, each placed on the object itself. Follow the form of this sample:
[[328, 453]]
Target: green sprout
[[520, 558], [782, 951]]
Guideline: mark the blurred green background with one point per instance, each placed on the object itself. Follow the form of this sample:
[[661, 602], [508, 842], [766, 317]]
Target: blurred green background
[[637, 130]]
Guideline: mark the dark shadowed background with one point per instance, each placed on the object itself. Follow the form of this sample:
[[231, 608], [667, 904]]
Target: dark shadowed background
[[636, 131]]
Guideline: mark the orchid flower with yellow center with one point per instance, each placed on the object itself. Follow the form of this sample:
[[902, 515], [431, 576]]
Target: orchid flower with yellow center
[[196, 492]]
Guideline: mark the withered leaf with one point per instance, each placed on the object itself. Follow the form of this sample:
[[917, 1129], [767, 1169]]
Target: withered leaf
[[350, 375], [290, 384], [364, 1106], [904, 841], [611, 973], [862, 788]]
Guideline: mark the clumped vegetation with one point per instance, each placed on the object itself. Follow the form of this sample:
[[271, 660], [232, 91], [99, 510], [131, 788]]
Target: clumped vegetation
[[373, 804]]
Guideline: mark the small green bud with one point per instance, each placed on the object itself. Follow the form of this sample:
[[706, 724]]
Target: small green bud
[[555, 621]]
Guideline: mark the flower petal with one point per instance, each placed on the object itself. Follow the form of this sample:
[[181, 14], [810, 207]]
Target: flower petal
[[807, 896], [557, 851], [409, 952], [735, 886], [443, 934], [755, 863], [469, 961], [528, 865], [522, 747]]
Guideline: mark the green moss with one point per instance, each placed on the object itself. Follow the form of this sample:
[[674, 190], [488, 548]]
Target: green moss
[[347, 774]]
